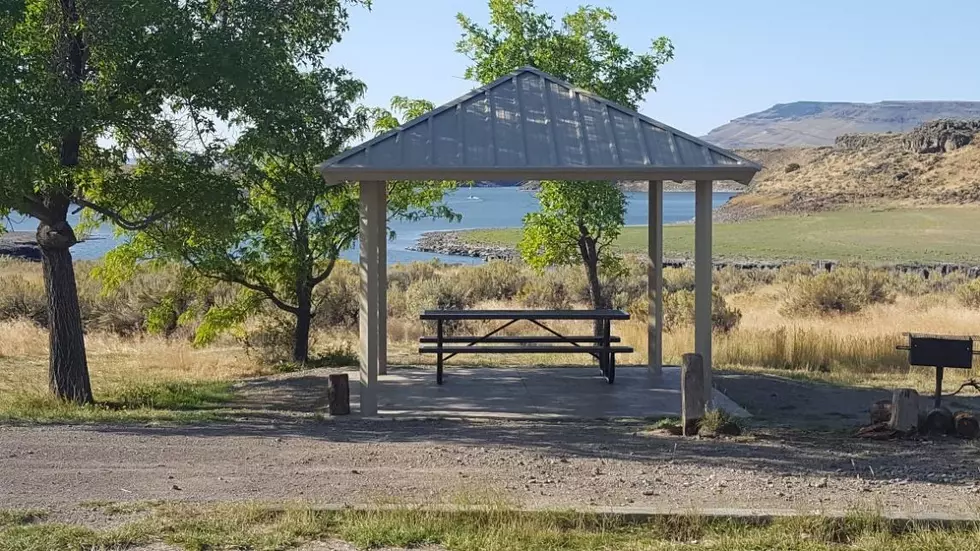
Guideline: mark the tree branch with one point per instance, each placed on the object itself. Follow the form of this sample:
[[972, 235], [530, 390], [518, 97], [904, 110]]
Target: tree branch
[[326, 271], [234, 278], [36, 208], [122, 221]]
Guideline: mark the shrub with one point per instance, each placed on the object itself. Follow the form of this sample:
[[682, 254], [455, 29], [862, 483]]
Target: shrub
[[338, 299], [792, 273], [679, 311], [437, 294], [843, 291], [678, 279], [731, 280], [969, 294], [496, 280], [792, 167], [403, 276], [23, 299], [549, 290]]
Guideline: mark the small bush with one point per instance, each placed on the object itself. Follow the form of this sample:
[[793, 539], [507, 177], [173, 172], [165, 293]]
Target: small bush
[[794, 272], [842, 291], [731, 280], [437, 294], [678, 279], [338, 299], [719, 421], [969, 294], [548, 290], [679, 311], [23, 299], [792, 167], [497, 280], [403, 276]]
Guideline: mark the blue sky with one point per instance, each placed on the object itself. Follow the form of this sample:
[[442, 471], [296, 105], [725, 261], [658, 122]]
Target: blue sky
[[732, 57]]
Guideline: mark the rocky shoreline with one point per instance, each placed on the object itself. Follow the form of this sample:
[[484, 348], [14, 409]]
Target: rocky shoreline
[[22, 245], [451, 243]]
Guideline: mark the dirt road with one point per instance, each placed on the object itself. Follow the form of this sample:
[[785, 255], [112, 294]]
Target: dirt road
[[550, 464]]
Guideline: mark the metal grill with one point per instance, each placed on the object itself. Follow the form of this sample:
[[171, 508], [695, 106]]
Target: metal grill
[[940, 352]]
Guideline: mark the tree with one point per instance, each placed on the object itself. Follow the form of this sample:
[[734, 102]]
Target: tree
[[115, 107], [578, 220], [283, 236], [577, 223]]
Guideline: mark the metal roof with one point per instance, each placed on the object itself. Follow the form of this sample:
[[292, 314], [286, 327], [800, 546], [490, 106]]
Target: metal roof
[[530, 125]]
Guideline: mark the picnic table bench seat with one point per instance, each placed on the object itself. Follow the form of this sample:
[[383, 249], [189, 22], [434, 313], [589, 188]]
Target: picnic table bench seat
[[603, 347]]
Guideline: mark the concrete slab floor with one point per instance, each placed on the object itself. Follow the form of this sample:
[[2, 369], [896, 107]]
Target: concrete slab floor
[[532, 393]]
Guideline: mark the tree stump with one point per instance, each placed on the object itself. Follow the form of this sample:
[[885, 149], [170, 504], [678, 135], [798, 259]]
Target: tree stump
[[939, 421], [966, 424], [881, 411], [692, 393], [905, 410], [338, 394]]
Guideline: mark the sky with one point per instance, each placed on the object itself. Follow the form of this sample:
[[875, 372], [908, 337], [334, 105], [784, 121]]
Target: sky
[[732, 57]]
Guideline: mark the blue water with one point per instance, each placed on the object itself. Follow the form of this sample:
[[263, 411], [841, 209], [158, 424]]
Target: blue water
[[479, 207]]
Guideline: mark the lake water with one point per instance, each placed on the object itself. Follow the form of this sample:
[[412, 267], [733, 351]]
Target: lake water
[[502, 207]]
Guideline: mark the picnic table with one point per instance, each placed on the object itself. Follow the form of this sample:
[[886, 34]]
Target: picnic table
[[602, 346]]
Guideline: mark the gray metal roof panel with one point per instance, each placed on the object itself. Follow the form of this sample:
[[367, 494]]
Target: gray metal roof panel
[[528, 125]]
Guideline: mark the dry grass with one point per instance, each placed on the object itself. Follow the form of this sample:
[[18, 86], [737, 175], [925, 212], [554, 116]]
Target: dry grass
[[132, 377], [143, 376]]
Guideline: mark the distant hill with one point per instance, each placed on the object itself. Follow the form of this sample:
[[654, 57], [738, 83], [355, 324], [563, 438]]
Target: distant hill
[[936, 163], [818, 123]]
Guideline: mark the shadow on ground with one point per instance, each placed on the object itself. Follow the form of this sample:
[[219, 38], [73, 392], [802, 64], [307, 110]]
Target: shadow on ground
[[799, 428]]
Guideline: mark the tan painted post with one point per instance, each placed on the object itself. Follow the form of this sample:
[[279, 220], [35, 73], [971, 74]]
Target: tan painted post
[[368, 299], [692, 393], [703, 268], [383, 282], [655, 278], [905, 410]]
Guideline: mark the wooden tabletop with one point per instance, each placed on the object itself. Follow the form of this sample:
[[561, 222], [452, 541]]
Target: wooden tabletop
[[524, 315]]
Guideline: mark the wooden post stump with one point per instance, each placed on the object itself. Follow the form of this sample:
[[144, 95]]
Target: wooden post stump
[[905, 410], [692, 393], [966, 424], [939, 421], [338, 394]]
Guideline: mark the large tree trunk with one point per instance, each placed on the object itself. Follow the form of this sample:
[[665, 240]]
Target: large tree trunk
[[301, 336], [67, 366]]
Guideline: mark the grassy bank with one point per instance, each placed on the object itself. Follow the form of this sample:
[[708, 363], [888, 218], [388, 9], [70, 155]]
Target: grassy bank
[[935, 234], [260, 527]]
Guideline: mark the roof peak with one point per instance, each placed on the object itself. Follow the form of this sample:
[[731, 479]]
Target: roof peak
[[532, 120]]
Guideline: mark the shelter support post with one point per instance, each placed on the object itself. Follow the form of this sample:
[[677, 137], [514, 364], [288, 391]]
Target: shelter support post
[[372, 333], [703, 268], [655, 278], [383, 282]]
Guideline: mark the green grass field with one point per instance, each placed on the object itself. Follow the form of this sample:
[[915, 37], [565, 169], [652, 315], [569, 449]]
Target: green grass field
[[259, 527], [935, 234]]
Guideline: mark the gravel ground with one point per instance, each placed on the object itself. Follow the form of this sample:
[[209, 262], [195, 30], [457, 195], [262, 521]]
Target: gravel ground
[[534, 464]]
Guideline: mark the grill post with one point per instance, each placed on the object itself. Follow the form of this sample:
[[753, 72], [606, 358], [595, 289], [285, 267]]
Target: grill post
[[939, 388]]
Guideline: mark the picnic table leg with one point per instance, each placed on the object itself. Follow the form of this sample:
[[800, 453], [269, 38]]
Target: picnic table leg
[[439, 352], [606, 355]]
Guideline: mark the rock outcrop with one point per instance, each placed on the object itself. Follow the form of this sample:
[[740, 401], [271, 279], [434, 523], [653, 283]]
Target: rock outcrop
[[942, 136]]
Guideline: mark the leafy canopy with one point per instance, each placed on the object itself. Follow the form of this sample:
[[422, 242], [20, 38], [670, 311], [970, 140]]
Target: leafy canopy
[[569, 211], [580, 49]]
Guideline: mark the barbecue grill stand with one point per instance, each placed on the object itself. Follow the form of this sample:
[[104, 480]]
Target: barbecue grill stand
[[940, 352]]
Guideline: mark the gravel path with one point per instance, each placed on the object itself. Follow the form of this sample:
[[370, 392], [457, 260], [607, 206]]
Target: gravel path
[[549, 464]]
